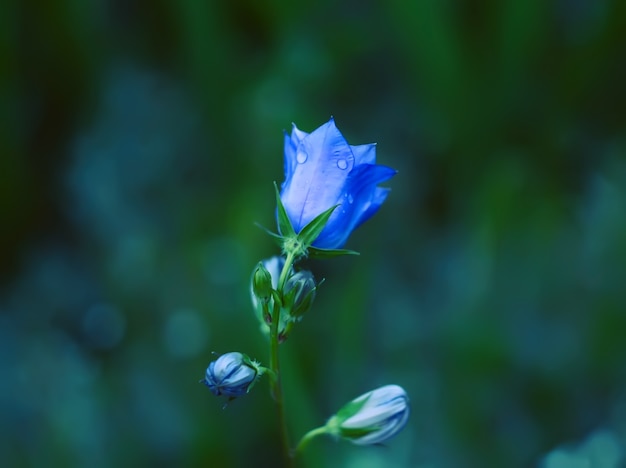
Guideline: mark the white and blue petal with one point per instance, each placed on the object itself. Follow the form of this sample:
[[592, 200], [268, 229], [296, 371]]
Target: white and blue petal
[[384, 413]]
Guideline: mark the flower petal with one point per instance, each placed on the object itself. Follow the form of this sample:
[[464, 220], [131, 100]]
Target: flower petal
[[365, 154], [297, 135], [323, 161], [377, 199], [362, 198], [291, 146], [240, 375], [363, 187]]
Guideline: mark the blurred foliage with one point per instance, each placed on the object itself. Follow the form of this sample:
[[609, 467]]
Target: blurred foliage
[[139, 143]]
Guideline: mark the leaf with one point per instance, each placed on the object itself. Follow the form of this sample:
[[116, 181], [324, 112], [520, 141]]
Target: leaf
[[284, 223], [315, 252], [310, 232]]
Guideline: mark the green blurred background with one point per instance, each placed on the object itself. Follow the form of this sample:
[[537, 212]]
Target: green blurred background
[[138, 148]]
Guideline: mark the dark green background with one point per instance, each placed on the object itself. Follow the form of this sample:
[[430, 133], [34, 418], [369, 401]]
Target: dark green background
[[139, 143]]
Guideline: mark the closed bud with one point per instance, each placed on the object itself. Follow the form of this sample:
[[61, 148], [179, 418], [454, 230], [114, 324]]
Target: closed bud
[[299, 293], [263, 310], [232, 374], [262, 283], [372, 418]]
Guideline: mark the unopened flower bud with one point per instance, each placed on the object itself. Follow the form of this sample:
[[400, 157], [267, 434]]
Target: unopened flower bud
[[262, 283], [372, 418], [232, 374], [263, 310], [299, 293]]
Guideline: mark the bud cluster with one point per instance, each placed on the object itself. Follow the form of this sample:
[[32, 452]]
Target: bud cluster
[[291, 303]]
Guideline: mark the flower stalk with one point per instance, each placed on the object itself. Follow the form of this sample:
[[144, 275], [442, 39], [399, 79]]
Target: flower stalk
[[276, 385], [308, 437]]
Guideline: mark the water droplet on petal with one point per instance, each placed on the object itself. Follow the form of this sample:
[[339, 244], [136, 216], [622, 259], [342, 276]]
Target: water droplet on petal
[[350, 199], [342, 164], [301, 157]]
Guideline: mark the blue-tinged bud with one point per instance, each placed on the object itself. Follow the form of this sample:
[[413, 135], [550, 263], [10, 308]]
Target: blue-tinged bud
[[372, 418], [273, 266], [262, 283], [232, 374], [299, 293]]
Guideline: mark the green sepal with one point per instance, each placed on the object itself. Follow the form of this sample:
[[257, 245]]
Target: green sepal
[[300, 244], [260, 370], [356, 433], [350, 409], [346, 412], [311, 231], [315, 252], [266, 370], [277, 237], [284, 223]]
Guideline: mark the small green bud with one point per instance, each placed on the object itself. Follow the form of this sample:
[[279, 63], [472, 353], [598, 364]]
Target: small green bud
[[262, 284], [299, 293]]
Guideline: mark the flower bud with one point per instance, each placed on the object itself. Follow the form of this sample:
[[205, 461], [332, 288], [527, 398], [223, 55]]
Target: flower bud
[[372, 418], [262, 283], [273, 266], [232, 374], [299, 293]]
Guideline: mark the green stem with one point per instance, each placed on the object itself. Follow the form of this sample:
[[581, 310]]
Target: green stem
[[283, 274], [306, 438], [276, 385]]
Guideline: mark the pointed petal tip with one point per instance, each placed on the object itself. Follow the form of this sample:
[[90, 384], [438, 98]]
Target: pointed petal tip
[[391, 172], [383, 173]]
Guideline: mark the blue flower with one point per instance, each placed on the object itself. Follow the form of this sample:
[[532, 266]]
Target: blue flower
[[322, 170], [232, 374], [372, 418]]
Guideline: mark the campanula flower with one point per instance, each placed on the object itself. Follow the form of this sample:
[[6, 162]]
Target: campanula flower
[[232, 374], [322, 170], [372, 418]]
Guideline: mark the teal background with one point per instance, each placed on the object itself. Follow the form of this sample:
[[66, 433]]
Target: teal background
[[138, 148]]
